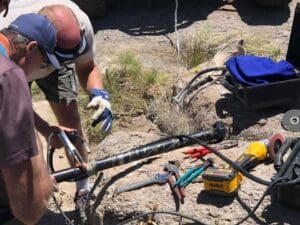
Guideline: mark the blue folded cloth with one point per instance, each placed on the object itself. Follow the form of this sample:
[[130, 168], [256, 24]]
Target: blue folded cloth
[[253, 70]]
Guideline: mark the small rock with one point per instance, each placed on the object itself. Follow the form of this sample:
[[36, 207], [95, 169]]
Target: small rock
[[124, 124], [262, 122]]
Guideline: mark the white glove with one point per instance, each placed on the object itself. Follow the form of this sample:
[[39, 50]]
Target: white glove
[[99, 101]]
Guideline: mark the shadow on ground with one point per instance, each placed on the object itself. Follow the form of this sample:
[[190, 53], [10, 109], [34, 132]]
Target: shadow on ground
[[242, 117], [55, 218], [144, 18], [279, 214], [252, 14]]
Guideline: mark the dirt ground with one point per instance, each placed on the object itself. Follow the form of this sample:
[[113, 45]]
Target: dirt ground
[[149, 33]]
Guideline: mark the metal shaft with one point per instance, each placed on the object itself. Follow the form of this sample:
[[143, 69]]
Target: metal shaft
[[215, 134]]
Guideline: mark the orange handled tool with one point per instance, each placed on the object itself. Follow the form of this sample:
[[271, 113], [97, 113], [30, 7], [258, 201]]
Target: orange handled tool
[[197, 155], [197, 152]]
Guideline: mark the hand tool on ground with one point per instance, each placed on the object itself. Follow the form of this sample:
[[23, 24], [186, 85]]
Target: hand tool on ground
[[193, 173], [226, 181], [197, 152], [174, 170], [159, 178], [212, 135], [200, 151]]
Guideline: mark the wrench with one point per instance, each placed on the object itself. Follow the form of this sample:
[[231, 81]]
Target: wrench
[[159, 178]]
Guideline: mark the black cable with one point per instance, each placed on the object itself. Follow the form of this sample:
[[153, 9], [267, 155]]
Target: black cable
[[50, 152], [227, 160], [163, 212], [221, 68], [260, 200]]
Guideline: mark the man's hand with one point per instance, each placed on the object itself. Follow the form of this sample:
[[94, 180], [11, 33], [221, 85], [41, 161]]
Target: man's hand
[[55, 141], [100, 102]]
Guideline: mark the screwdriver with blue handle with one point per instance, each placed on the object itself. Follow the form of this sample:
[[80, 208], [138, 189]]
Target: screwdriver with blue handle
[[193, 173]]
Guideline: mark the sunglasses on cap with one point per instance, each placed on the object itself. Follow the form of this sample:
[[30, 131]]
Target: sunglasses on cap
[[6, 5], [67, 56]]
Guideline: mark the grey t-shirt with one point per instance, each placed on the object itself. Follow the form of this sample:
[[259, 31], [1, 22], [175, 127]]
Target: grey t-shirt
[[17, 137]]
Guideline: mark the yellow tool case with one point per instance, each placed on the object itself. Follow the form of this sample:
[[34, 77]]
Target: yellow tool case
[[221, 181]]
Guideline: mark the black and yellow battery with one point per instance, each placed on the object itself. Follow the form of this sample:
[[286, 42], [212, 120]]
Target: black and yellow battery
[[223, 181]]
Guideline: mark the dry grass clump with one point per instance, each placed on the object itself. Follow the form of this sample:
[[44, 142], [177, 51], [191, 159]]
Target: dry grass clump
[[262, 46], [202, 46]]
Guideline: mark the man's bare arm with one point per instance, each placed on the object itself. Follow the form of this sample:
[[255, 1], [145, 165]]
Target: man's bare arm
[[89, 76], [29, 186]]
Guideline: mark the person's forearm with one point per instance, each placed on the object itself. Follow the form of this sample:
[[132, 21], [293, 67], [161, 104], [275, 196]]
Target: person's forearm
[[42, 183], [41, 125], [89, 77], [29, 187]]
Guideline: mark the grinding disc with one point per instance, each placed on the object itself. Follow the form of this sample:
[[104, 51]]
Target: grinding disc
[[291, 120], [274, 145]]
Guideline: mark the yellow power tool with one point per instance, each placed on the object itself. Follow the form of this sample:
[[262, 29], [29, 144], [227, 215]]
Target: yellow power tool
[[226, 181]]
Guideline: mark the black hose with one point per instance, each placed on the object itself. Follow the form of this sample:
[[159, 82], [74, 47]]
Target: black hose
[[222, 68], [216, 134], [50, 152]]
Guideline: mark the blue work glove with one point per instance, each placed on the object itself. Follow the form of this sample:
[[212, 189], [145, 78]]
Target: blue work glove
[[99, 101]]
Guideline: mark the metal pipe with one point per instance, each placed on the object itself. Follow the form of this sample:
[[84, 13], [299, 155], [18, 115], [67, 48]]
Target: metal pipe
[[215, 134]]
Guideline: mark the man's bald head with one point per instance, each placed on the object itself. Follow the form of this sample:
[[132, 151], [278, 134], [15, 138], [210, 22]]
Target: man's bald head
[[66, 24]]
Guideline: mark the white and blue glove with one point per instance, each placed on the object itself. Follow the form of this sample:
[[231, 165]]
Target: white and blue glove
[[99, 100]]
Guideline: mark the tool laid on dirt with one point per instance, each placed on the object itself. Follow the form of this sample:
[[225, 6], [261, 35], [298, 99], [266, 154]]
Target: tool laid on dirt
[[193, 173], [291, 120], [159, 178], [212, 135], [173, 168], [197, 152], [227, 180], [200, 151]]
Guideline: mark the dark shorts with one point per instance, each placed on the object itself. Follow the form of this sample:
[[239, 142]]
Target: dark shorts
[[60, 86], [5, 212]]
